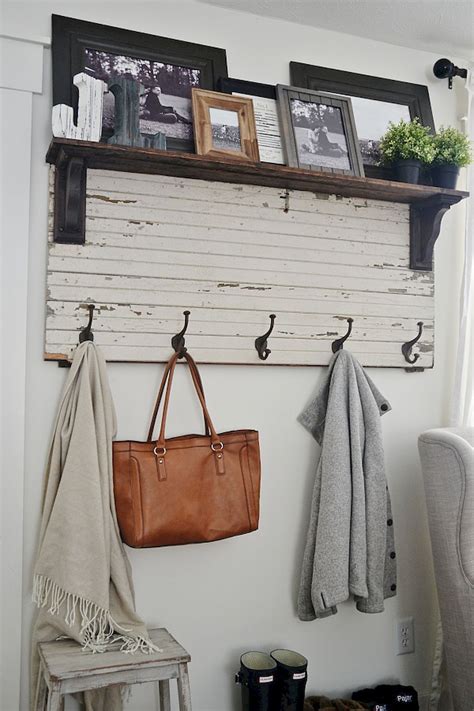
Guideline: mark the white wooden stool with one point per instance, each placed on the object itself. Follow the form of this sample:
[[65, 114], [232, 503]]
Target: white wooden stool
[[66, 669]]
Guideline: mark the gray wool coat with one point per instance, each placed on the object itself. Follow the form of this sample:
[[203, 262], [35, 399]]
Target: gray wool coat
[[350, 543]]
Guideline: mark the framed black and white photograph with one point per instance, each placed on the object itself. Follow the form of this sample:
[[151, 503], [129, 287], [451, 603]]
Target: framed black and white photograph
[[167, 70], [266, 115], [225, 129], [375, 103], [319, 131]]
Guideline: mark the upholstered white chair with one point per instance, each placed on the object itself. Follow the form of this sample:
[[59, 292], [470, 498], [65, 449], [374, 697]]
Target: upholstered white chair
[[447, 458]]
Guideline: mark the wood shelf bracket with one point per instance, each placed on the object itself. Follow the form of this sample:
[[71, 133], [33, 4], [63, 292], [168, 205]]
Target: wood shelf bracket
[[70, 199], [425, 224]]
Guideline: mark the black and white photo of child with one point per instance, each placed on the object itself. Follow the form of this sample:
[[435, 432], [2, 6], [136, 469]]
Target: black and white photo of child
[[225, 129], [165, 100], [320, 136]]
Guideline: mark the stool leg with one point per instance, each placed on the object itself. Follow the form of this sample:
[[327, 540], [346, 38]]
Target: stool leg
[[184, 691], [164, 695], [54, 701], [41, 690]]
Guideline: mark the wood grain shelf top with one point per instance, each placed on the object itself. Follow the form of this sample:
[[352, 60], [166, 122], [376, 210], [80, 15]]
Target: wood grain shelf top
[[189, 165]]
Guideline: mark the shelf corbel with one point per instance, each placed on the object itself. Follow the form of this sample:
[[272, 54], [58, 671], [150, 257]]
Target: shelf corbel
[[425, 224], [70, 199]]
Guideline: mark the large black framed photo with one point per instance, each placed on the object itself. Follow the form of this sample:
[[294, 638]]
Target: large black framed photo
[[319, 131], [266, 115], [375, 102], [168, 70]]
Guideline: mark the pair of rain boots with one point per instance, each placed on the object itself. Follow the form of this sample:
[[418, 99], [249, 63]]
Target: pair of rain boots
[[273, 682]]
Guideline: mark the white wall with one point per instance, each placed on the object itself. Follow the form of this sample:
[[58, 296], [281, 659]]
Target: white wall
[[227, 597]]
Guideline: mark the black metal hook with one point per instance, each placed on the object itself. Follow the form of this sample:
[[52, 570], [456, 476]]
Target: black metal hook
[[261, 341], [86, 333], [407, 347], [178, 343], [338, 344]]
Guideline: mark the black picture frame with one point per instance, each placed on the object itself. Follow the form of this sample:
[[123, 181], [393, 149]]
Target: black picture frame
[[414, 96], [71, 37], [228, 85], [287, 94]]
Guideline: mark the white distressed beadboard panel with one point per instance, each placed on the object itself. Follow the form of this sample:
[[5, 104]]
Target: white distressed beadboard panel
[[233, 254]]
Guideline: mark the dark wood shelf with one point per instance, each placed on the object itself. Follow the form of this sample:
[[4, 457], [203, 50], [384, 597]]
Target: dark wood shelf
[[72, 158]]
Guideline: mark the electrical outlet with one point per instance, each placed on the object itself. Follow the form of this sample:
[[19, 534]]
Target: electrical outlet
[[405, 630]]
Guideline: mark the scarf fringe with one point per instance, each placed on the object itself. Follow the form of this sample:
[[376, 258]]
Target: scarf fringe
[[97, 626]]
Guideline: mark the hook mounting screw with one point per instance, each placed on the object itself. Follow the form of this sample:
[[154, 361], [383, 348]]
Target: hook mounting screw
[[261, 341]]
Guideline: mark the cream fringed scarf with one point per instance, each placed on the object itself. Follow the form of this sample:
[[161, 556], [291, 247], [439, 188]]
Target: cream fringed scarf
[[82, 577]]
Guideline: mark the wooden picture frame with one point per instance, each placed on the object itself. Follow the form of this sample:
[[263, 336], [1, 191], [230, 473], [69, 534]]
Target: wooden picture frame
[[415, 97], [224, 126], [79, 46], [270, 142], [319, 131]]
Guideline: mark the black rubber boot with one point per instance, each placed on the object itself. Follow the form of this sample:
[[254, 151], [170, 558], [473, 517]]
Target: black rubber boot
[[291, 679], [257, 679]]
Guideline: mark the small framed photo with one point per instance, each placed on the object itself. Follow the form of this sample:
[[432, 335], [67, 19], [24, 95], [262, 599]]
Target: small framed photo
[[167, 70], [224, 126], [319, 131], [265, 109]]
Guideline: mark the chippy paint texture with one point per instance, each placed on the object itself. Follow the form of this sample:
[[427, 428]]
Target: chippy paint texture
[[233, 254]]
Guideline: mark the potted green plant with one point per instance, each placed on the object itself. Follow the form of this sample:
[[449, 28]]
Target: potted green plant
[[407, 146], [452, 151]]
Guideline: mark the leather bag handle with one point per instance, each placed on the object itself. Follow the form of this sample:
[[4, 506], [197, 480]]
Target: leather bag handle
[[192, 366], [168, 378]]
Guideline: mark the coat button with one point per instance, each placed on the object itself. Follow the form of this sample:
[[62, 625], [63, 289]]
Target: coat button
[[390, 522], [393, 587], [392, 554], [384, 407]]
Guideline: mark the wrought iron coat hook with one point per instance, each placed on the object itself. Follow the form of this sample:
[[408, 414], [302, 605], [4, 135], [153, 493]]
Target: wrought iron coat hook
[[261, 341], [86, 333], [338, 344], [407, 347], [178, 343]]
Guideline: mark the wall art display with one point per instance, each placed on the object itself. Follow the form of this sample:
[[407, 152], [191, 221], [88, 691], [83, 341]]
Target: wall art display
[[224, 126], [266, 115], [167, 69], [319, 131], [375, 102]]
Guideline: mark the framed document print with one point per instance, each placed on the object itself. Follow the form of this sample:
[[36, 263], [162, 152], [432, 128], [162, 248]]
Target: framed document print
[[266, 115]]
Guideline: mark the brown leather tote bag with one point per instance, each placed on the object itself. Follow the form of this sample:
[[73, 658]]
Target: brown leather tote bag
[[188, 489]]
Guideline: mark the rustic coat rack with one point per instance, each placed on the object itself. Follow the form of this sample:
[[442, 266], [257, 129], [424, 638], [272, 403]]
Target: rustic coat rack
[[319, 250]]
